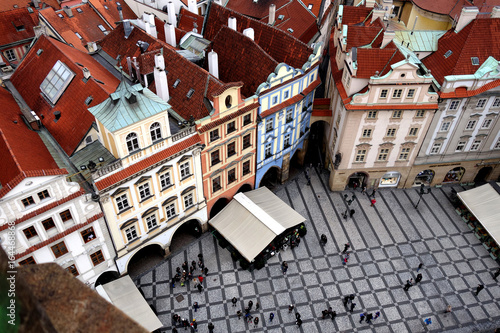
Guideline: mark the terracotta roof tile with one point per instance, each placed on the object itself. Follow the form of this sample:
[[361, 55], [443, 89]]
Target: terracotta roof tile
[[360, 35], [188, 20], [75, 119], [20, 17], [225, 119], [160, 30], [190, 75], [445, 7], [281, 46], [462, 92], [480, 38], [147, 162], [111, 14], [372, 60], [255, 9], [355, 14], [59, 236], [21, 149], [9, 4]]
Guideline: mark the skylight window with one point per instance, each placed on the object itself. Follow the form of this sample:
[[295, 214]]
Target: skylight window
[[310, 6], [281, 17], [190, 93], [106, 7], [56, 81], [100, 26], [78, 35], [290, 30], [176, 83], [60, 15], [79, 10], [448, 53], [475, 61]]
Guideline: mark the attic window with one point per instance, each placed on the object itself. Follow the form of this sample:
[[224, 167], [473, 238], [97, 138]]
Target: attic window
[[101, 27], [39, 51], [176, 83], [56, 81], [475, 61], [290, 30], [106, 7], [79, 10], [448, 53], [78, 35], [30, 10], [281, 17], [190, 93], [310, 6], [60, 15], [89, 100]]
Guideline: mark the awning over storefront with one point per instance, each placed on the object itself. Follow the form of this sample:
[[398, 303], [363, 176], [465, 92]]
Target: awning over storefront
[[253, 219], [123, 294], [484, 203]]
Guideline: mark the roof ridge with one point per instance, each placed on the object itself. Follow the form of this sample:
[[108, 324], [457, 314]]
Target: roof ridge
[[461, 55]]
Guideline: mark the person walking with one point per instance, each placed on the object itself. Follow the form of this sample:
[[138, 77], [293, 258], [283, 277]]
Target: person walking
[[185, 323], [373, 201], [211, 327], [496, 274], [353, 305], [297, 315], [427, 321], [257, 306], [346, 247], [193, 263], [271, 317], [346, 259], [196, 306], [290, 308], [234, 301], [200, 278], [200, 287], [250, 319], [324, 313], [346, 301], [377, 314], [361, 317], [351, 213], [369, 318], [363, 191], [238, 313], [185, 266], [418, 278], [194, 325], [205, 271], [420, 267], [407, 285], [298, 322], [373, 193], [175, 319], [448, 309], [174, 330], [323, 239], [333, 314], [256, 322], [250, 305], [284, 267], [479, 288]]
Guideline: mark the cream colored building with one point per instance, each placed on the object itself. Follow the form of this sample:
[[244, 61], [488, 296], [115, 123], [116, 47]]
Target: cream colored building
[[155, 186]]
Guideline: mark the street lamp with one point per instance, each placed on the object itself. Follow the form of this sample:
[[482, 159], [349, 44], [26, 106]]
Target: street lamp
[[422, 192]]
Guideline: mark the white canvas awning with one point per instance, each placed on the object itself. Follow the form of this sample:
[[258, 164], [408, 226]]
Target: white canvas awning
[[253, 219], [484, 203], [123, 294]]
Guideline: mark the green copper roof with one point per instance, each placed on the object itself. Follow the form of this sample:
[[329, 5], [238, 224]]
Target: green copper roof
[[128, 105], [420, 40]]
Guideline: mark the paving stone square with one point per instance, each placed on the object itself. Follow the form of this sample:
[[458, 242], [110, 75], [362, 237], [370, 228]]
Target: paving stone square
[[388, 242]]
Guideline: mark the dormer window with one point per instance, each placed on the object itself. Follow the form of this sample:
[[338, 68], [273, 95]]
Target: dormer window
[[102, 28], [132, 142], [79, 10], [56, 82], [155, 131], [60, 15]]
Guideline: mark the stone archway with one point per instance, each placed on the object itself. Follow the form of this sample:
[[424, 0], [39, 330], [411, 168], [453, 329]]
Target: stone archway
[[318, 143], [271, 177], [106, 277], [424, 177], [357, 179], [482, 175], [244, 188], [187, 233], [218, 206], [145, 259], [454, 175]]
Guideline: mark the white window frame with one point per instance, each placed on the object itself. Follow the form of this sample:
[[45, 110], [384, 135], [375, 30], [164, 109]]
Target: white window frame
[[170, 211], [185, 170], [151, 221], [411, 93], [497, 145], [289, 115], [475, 145], [383, 93], [391, 132], [454, 105], [10, 55], [397, 114], [404, 154], [56, 81], [470, 125], [487, 123], [155, 131], [269, 125], [122, 200], [372, 115], [496, 103], [360, 155], [413, 131], [481, 103], [461, 146], [420, 114], [165, 180], [131, 233], [268, 151], [436, 148], [383, 154], [397, 93], [445, 126], [132, 141], [144, 191], [367, 133], [286, 141], [188, 200]]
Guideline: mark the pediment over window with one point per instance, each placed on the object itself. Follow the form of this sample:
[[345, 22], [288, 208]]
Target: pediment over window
[[169, 200], [149, 211], [164, 168], [119, 190], [128, 223]]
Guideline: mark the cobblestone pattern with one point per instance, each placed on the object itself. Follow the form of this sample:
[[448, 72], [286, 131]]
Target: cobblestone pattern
[[388, 242]]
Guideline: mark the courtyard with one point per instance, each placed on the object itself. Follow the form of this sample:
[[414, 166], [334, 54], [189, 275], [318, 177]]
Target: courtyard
[[388, 242]]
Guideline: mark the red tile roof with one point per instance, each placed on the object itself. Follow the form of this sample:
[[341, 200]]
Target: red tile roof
[[160, 29], [370, 61], [85, 24], [236, 62], [445, 7], [316, 6], [111, 14], [462, 92], [480, 38], [188, 20], [16, 17], [281, 46], [147, 162], [255, 9], [352, 15], [486, 6], [295, 17], [190, 75], [9, 4], [75, 119], [360, 35], [21, 149], [59, 236]]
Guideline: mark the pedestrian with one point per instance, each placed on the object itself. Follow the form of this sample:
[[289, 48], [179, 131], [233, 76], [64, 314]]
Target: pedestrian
[[238, 313], [346, 259], [284, 267], [353, 305], [448, 309], [355, 185], [247, 311], [428, 321], [373, 201], [195, 282], [250, 318], [211, 327], [346, 247], [377, 314], [333, 314], [191, 269], [420, 267], [369, 318], [479, 288], [257, 305], [234, 301], [201, 265], [193, 263], [185, 323], [175, 319], [361, 317], [185, 266], [200, 288], [182, 281], [256, 322], [200, 257], [373, 193], [178, 270], [299, 322], [346, 300], [351, 297], [271, 317], [324, 313], [205, 271], [363, 191], [250, 304], [200, 278], [297, 315], [351, 213], [497, 273], [407, 285], [173, 282], [194, 325], [418, 278], [323, 239], [290, 308], [174, 330], [196, 306]]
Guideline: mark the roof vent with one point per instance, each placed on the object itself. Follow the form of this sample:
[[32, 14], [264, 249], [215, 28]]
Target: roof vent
[[448, 53], [190, 93], [176, 83], [79, 10], [281, 17], [60, 15], [89, 100], [40, 51], [57, 114], [79, 64], [290, 30], [475, 61]]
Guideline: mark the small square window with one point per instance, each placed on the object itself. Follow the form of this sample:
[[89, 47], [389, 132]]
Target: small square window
[[286, 94], [274, 100], [454, 105], [382, 156], [405, 152], [30, 232], [185, 170], [231, 149], [188, 201], [413, 131], [436, 148], [97, 257], [88, 234], [43, 195], [231, 127], [445, 126], [170, 211], [383, 93], [131, 233], [397, 93], [461, 145], [470, 125], [391, 132], [481, 103], [59, 249], [27, 261], [420, 114], [11, 56], [66, 215], [411, 93], [397, 114], [496, 103], [214, 135], [216, 184], [48, 224], [360, 155], [367, 133], [72, 269], [372, 114], [28, 201], [101, 27]]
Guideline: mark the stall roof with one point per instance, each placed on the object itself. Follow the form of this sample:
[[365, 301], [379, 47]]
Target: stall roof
[[484, 203], [123, 294], [253, 219]]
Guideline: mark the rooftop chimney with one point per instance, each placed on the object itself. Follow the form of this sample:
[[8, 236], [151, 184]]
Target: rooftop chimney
[[467, 16], [272, 14], [192, 7], [120, 12], [91, 47], [170, 34], [148, 18], [171, 14], [39, 30], [68, 11], [231, 22], [249, 32], [86, 73], [213, 63], [388, 37], [36, 3], [127, 28], [160, 75], [495, 12], [150, 29]]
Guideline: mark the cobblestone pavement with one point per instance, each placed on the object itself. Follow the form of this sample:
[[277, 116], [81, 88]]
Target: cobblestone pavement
[[388, 242]]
